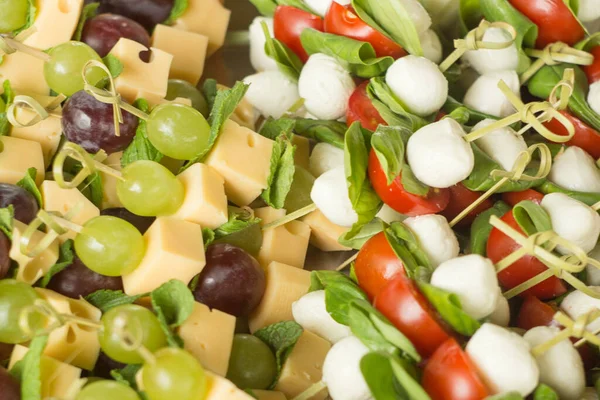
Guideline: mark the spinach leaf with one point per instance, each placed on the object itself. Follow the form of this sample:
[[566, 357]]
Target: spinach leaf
[[281, 173], [365, 233], [105, 299], [28, 183], [89, 11], [588, 198], [140, 148], [28, 370], [6, 99], [7, 218], [339, 293], [481, 228], [331, 132], [287, 61], [65, 258], [173, 303], [531, 217], [179, 8]]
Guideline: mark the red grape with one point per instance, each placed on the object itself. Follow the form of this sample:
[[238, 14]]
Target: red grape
[[102, 32], [9, 387], [148, 13], [25, 205]]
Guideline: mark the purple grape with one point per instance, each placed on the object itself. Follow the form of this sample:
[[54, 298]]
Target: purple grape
[[148, 13], [141, 223], [9, 387], [104, 365], [102, 32], [4, 258], [25, 205]]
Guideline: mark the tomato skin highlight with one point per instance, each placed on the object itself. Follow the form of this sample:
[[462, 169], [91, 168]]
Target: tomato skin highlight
[[342, 20], [451, 375], [585, 136], [288, 24], [535, 312], [593, 71], [514, 198], [460, 199], [360, 108]]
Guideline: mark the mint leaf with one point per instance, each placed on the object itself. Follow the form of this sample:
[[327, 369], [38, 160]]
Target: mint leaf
[[281, 337], [281, 173], [89, 11], [210, 90], [126, 375], [28, 370], [7, 217], [173, 303], [140, 148], [114, 65], [28, 183], [208, 236], [6, 99], [239, 219], [65, 259], [105, 299], [273, 128], [179, 8]]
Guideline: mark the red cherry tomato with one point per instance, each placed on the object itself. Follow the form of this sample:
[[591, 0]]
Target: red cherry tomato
[[499, 246], [342, 20], [555, 21], [399, 199], [451, 375], [514, 198], [461, 198], [288, 24], [360, 108], [406, 307], [535, 312], [376, 265], [593, 71], [585, 137]]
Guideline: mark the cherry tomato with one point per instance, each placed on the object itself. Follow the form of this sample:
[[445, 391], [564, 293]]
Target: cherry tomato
[[342, 20], [360, 108], [499, 246], [376, 265], [461, 198], [535, 312], [555, 21], [406, 307], [399, 199], [593, 71], [451, 375], [288, 24], [585, 137], [514, 198]]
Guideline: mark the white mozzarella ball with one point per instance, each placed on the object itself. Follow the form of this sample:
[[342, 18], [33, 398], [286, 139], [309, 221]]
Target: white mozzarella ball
[[439, 155], [485, 96], [575, 170], [432, 47], [593, 273], [594, 97], [322, 6], [271, 93], [572, 220], [417, 13], [389, 215], [504, 360], [326, 87], [485, 61], [435, 236], [589, 10], [325, 157], [341, 370], [258, 58], [590, 393], [418, 83], [330, 195], [473, 279], [577, 303], [560, 367], [502, 145], [501, 314], [310, 312]]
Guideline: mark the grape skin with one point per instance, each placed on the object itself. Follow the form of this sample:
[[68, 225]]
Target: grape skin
[[24, 204], [103, 31], [148, 13]]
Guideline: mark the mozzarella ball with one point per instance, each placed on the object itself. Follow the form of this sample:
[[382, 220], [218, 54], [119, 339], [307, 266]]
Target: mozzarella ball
[[501, 314], [502, 145], [473, 279], [310, 312], [330, 195], [575, 170], [572, 220], [341, 370], [417, 13], [432, 47], [485, 96], [435, 236], [589, 10], [326, 87], [418, 83], [322, 6], [258, 58], [593, 273], [271, 93], [503, 360], [578, 303], [560, 367], [389, 215], [325, 157], [439, 155], [485, 61]]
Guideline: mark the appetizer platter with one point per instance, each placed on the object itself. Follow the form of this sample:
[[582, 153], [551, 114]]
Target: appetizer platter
[[399, 202]]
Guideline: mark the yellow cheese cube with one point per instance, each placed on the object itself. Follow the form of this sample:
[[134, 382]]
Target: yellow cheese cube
[[218, 388], [208, 18], [302, 153], [304, 366], [208, 335], [174, 250], [64, 200], [187, 48], [110, 199], [205, 202], [141, 79], [243, 158], [25, 73], [17, 157], [284, 285], [57, 377], [72, 343], [324, 233], [286, 244], [32, 269], [55, 23], [268, 395]]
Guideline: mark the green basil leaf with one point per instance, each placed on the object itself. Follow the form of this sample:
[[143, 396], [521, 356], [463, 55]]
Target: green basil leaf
[[28, 183], [506, 396], [31, 15], [265, 7], [331, 132], [388, 145], [474, 116], [65, 258], [588, 198], [531, 217], [589, 42], [462, 115], [407, 380], [287, 61], [89, 11], [140, 148], [173, 303], [114, 65], [402, 233], [6, 99], [7, 218], [179, 8], [340, 290], [411, 267], [28, 370], [544, 392], [469, 15], [273, 128], [481, 228], [296, 4], [362, 327], [281, 173], [105, 299], [378, 374], [365, 233]]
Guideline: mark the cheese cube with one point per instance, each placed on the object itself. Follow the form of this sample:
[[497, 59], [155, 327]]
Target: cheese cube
[[284, 285], [187, 48], [174, 250], [205, 202], [25, 73], [17, 157], [324, 233], [245, 114], [63, 200], [57, 377], [110, 199], [286, 244], [208, 336], [218, 388], [304, 366], [268, 395], [72, 343], [55, 23], [32, 269], [142, 79], [208, 18], [243, 158], [302, 154]]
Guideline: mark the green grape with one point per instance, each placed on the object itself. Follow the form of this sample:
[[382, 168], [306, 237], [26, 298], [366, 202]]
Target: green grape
[[63, 71], [252, 364], [14, 298], [102, 390], [150, 189], [110, 246], [299, 195], [174, 374], [178, 131], [180, 88], [136, 321], [13, 14]]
